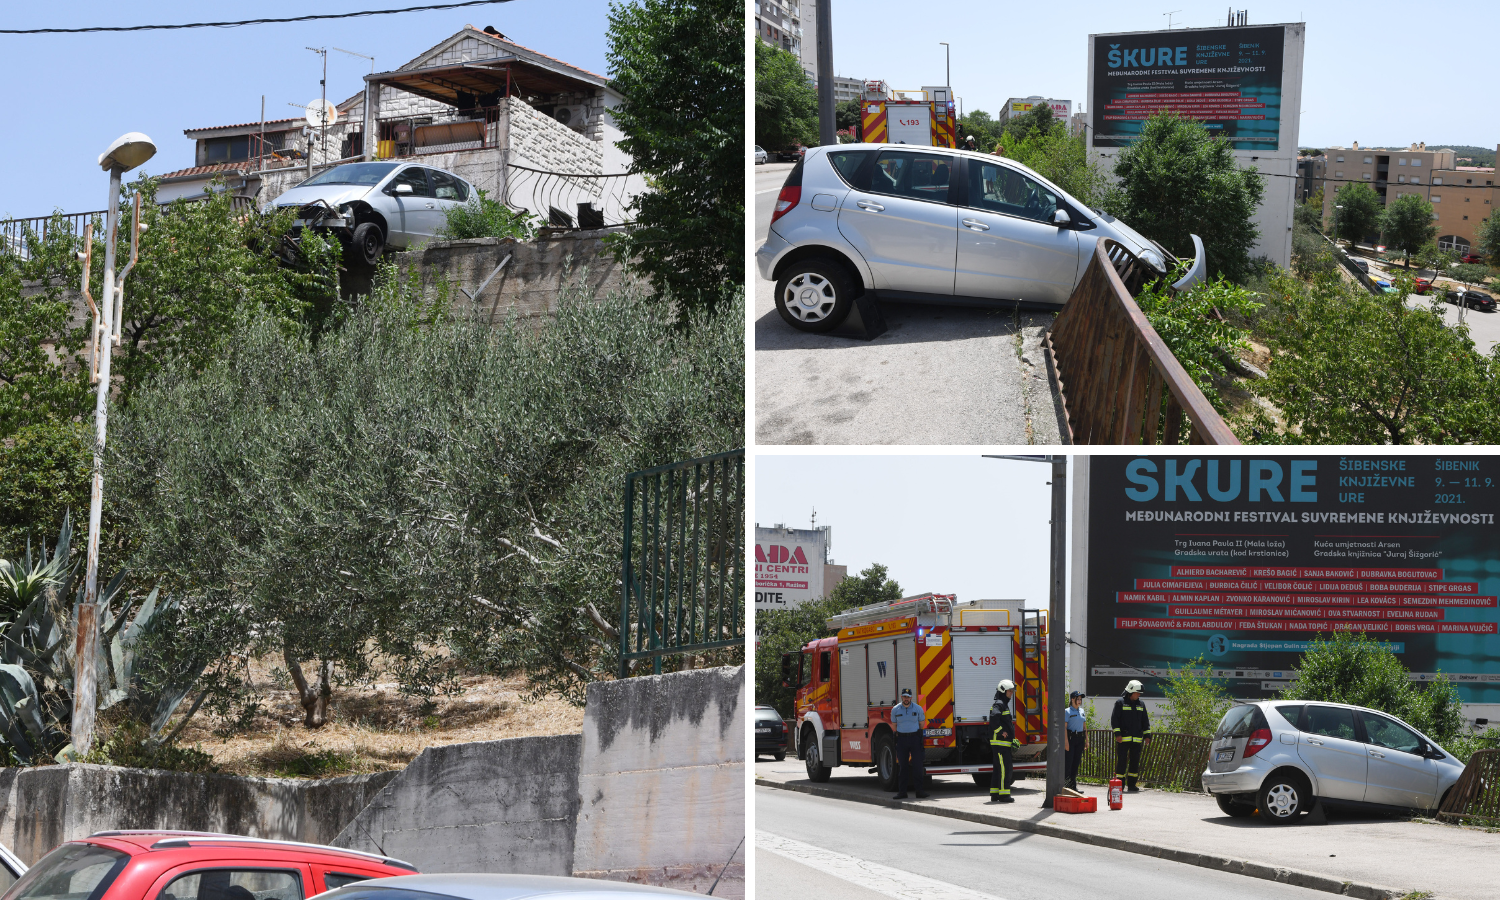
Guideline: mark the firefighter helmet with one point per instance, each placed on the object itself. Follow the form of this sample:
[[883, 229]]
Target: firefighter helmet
[[1005, 685], [1134, 687]]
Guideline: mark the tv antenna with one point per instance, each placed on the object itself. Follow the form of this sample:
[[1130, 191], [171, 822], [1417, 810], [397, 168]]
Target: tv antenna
[[361, 56], [1169, 17]]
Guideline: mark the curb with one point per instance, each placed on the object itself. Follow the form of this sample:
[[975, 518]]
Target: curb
[[1295, 877]]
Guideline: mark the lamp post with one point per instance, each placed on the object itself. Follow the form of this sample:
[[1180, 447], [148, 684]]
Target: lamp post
[[947, 67], [127, 152]]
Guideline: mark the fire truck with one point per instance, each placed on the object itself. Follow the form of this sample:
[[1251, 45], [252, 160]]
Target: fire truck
[[951, 654], [924, 117]]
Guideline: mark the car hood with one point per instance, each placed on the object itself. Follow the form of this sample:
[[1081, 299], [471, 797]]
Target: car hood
[[1147, 250], [332, 194]]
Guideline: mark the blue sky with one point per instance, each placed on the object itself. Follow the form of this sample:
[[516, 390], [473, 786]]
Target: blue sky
[[68, 96], [1379, 72]]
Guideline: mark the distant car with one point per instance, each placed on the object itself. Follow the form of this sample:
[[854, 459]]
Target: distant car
[[374, 205], [760, 154], [1361, 265], [1280, 757], [770, 733], [792, 154], [1471, 258], [1422, 285], [500, 887], [1472, 300]]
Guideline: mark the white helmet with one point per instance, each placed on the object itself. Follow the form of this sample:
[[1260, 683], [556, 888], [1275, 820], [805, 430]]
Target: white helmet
[[1005, 685], [1134, 687]]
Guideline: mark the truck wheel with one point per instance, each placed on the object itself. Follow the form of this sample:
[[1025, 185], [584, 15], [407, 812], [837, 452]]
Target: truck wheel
[[982, 779], [814, 295], [1283, 799], [1232, 807], [368, 244], [885, 762], [813, 758]]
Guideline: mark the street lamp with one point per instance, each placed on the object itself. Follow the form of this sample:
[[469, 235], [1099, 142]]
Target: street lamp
[[947, 66], [127, 152]]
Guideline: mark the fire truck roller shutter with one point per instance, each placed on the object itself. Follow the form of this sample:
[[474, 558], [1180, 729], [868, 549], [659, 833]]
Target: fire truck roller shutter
[[906, 666], [883, 691], [854, 700], [980, 661]]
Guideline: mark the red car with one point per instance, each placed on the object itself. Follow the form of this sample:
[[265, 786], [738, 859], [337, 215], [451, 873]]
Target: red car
[[183, 865], [1423, 284], [1471, 258]]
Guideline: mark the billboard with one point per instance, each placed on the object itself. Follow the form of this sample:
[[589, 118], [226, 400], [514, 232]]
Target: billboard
[[1229, 78], [1244, 560], [1061, 109], [788, 566]]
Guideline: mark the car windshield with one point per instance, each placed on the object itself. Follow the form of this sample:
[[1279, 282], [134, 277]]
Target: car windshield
[[352, 173], [767, 715], [71, 872]]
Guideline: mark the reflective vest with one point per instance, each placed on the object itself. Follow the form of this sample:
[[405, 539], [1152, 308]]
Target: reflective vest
[[1002, 726], [1129, 720]]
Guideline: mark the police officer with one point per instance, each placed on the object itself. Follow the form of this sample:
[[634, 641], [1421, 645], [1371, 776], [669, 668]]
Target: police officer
[[1132, 730], [909, 719], [1075, 737], [1002, 740]]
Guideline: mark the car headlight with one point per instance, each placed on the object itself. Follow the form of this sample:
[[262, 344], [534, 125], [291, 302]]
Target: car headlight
[[346, 209]]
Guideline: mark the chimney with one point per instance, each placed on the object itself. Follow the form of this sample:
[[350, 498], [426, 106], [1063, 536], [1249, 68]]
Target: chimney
[[1424, 145], [1356, 145]]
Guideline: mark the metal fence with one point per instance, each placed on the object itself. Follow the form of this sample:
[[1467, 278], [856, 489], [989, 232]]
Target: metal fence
[[19, 236], [683, 560], [1119, 382], [567, 200], [1476, 796], [1171, 761]]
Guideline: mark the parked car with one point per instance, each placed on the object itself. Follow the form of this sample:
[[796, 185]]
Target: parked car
[[1471, 258], [932, 225], [760, 154], [791, 154], [1279, 757], [11, 869], [374, 205], [1422, 284], [183, 865], [1360, 265], [500, 887], [1472, 299], [770, 733]]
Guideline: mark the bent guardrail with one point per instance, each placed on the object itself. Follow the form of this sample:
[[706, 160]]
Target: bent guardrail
[[1118, 381], [1476, 796], [1173, 762]]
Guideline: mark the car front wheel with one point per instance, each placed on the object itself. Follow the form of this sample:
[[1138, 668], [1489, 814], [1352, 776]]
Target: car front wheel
[[814, 295], [1282, 799], [368, 243]]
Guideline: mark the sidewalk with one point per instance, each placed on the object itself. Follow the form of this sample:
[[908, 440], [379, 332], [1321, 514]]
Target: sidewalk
[[1353, 855]]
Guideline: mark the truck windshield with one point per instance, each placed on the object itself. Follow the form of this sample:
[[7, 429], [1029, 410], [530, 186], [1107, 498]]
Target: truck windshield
[[352, 173], [71, 872]]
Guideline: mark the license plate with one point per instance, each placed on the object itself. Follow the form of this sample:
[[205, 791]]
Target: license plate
[[1224, 755], [762, 731]]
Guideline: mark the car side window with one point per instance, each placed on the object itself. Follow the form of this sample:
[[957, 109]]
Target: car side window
[[235, 884], [1383, 732], [1291, 712], [920, 176], [824, 665], [847, 163], [1330, 721], [444, 186], [416, 177], [333, 880], [997, 188]]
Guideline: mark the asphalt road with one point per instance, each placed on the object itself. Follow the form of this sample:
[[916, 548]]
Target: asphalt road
[[1484, 327], [940, 375], [812, 846]]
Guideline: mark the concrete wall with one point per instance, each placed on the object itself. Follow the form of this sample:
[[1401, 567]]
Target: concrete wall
[[530, 286], [662, 781], [43, 807], [491, 806]]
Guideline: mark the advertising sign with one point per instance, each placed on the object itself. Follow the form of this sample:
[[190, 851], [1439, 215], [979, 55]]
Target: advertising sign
[[1243, 561], [788, 567], [1229, 78], [1061, 109]]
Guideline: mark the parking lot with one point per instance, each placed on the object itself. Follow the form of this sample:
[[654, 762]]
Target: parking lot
[[1484, 327]]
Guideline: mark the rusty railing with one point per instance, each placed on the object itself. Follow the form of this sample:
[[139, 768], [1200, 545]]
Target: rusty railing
[[1119, 382], [1173, 762], [18, 236], [1476, 796]]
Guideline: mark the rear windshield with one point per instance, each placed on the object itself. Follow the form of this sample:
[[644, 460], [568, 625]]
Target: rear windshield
[[1240, 721], [352, 173], [767, 715], [71, 872]]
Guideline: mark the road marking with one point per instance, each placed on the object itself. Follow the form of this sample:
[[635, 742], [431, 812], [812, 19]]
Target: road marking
[[869, 875]]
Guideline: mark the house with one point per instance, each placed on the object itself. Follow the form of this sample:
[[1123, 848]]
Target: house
[[526, 128]]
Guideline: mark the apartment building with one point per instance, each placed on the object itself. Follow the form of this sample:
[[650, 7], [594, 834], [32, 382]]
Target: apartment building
[[1461, 196], [846, 89], [1311, 172], [779, 23]]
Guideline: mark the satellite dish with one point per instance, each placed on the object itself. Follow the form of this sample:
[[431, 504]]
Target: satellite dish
[[316, 109]]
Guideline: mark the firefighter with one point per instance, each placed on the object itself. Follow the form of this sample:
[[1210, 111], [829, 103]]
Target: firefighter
[[1132, 730], [909, 719], [1002, 739]]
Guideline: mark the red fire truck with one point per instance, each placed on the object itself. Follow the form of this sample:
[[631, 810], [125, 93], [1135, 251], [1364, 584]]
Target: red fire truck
[[924, 118], [951, 654]]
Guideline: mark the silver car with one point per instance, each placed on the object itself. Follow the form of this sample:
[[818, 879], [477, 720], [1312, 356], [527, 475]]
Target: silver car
[[1280, 756], [497, 887], [760, 154], [929, 224], [375, 205]]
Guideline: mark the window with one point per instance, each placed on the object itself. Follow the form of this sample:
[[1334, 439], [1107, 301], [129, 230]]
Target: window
[[1291, 713], [847, 163], [1416, 179], [1383, 732], [1400, 162], [1330, 721], [1401, 178], [1236, 722], [920, 176], [1468, 181], [414, 176], [1436, 199], [1466, 199], [229, 149], [446, 187], [1437, 181], [71, 872], [1341, 159], [1001, 189], [234, 884], [1369, 159], [352, 173], [1416, 162], [825, 666], [1338, 174], [1367, 176]]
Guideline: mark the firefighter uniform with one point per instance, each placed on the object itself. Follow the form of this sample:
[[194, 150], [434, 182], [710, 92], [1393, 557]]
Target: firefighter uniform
[[1132, 726], [1002, 743]]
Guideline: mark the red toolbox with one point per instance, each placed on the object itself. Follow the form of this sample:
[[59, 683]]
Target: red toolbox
[[1075, 804]]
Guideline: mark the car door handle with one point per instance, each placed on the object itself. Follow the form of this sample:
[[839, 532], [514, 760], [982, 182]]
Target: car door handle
[[431, 206], [976, 225], [870, 205], [1377, 753], [1315, 741]]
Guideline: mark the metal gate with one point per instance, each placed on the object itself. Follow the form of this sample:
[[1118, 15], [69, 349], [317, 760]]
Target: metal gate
[[683, 559]]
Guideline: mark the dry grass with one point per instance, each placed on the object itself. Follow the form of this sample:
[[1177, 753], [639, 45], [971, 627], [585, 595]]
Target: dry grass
[[376, 728]]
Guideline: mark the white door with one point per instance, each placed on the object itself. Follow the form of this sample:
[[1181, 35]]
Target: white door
[[909, 124], [1332, 750], [882, 669], [980, 661], [1398, 773], [854, 699]]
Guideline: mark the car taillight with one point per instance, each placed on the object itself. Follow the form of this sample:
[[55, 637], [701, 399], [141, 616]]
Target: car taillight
[[788, 198], [1259, 738]]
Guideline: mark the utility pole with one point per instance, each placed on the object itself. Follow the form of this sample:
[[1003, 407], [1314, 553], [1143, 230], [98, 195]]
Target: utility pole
[[947, 67], [827, 120]]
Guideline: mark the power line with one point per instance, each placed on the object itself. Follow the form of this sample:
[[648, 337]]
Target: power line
[[348, 15]]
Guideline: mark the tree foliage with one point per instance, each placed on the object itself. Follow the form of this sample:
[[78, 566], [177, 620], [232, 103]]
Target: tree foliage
[[1309, 213], [1356, 212], [43, 373], [985, 129], [1407, 224], [1176, 180], [786, 106], [846, 114], [483, 217], [1061, 158], [680, 65], [781, 631], [1487, 237], [1037, 120], [45, 471], [1193, 328], [426, 492], [1195, 701]]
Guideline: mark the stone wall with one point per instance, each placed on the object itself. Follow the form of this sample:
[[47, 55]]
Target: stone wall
[[541, 142]]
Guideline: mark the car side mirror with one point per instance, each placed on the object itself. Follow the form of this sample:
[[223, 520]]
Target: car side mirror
[[402, 188], [1061, 219]]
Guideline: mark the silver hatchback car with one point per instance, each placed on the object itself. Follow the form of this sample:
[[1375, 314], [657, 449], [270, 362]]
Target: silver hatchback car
[[929, 224], [1280, 756]]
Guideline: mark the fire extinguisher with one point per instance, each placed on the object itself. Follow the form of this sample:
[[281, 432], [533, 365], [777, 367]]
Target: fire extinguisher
[[1116, 793]]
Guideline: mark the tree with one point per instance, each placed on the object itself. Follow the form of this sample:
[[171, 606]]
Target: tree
[[786, 106], [43, 372], [1195, 701], [1487, 237], [1177, 180], [1037, 120], [1195, 328], [781, 631], [1309, 213], [1407, 224], [680, 66], [45, 471], [986, 130], [1356, 212], [846, 114]]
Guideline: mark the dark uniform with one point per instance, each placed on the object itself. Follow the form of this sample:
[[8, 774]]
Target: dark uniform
[[1133, 727], [1002, 740]]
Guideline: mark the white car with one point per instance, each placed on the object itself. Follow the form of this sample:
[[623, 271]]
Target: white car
[[1280, 756], [760, 154]]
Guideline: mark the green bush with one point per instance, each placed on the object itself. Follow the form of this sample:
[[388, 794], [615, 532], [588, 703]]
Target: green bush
[[1195, 702], [1191, 329], [130, 745], [482, 217]]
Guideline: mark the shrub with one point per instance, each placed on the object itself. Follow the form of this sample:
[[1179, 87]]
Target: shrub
[[482, 217], [1194, 331], [1195, 702]]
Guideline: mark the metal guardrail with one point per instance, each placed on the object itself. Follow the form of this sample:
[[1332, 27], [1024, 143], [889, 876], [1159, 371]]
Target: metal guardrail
[[17, 235], [683, 559], [597, 201], [1476, 796], [1171, 761], [1119, 382]]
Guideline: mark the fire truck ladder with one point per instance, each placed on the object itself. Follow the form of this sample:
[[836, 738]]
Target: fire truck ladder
[[1029, 680], [920, 605]]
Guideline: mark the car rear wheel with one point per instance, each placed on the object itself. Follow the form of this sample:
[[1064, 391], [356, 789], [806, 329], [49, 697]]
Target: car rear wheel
[[1282, 799], [1232, 807], [779, 755], [885, 763], [813, 758], [814, 295], [368, 243]]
